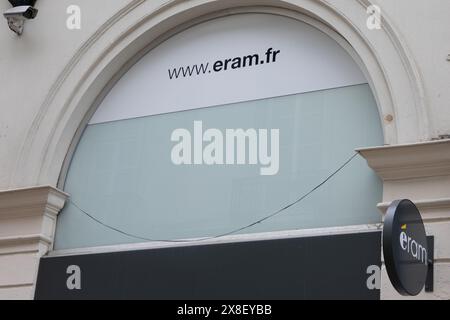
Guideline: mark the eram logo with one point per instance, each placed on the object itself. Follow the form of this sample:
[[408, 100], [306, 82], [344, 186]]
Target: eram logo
[[418, 251], [405, 247], [213, 147]]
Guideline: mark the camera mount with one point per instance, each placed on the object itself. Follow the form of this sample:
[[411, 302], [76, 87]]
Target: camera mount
[[22, 10]]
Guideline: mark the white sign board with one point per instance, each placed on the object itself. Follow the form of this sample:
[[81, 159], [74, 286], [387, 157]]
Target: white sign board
[[227, 60]]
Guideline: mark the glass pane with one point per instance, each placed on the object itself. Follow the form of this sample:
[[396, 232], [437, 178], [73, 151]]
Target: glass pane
[[122, 173]]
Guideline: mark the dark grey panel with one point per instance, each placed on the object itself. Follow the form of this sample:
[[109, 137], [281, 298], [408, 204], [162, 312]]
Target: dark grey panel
[[326, 267]]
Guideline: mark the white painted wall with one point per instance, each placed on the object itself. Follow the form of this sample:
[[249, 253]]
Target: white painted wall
[[424, 26], [31, 64]]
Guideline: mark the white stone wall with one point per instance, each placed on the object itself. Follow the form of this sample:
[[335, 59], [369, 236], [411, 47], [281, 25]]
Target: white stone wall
[[51, 76], [424, 28]]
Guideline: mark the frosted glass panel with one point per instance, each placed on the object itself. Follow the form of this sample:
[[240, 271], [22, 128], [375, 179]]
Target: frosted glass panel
[[123, 175]]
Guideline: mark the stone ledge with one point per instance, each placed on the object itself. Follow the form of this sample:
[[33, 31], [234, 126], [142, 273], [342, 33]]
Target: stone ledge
[[34, 201], [431, 210], [418, 160], [23, 240], [28, 219]]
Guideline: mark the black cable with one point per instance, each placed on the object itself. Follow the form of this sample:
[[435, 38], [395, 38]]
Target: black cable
[[126, 233], [230, 232]]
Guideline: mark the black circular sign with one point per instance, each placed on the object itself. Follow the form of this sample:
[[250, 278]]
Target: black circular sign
[[405, 247]]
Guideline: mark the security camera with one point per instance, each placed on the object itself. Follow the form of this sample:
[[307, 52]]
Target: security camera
[[18, 15]]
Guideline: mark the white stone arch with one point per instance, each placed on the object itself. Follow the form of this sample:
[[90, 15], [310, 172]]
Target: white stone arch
[[139, 26]]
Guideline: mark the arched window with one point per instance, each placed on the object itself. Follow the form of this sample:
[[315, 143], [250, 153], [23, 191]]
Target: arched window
[[219, 126]]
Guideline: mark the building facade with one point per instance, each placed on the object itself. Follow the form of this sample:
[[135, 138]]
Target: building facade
[[81, 99]]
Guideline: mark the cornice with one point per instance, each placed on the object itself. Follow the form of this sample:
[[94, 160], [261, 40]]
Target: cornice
[[418, 160], [34, 201], [26, 239]]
